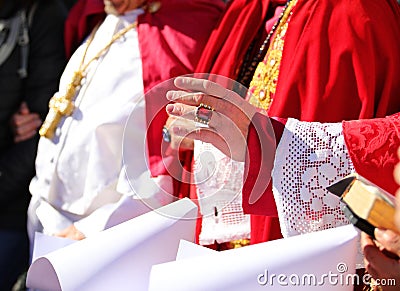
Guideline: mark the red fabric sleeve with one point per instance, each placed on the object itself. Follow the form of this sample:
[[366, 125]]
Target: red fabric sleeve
[[372, 145], [263, 137]]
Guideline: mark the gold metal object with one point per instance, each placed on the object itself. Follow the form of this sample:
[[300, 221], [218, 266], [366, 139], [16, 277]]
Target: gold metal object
[[62, 106], [239, 243], [266, 75], [153, 7]]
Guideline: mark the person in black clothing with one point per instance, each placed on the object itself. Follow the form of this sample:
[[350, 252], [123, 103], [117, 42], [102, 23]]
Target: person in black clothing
[[69, 3], [32, 58]]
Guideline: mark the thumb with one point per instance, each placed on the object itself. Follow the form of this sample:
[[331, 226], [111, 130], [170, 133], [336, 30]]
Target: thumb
[[23, 109], [389, 240]]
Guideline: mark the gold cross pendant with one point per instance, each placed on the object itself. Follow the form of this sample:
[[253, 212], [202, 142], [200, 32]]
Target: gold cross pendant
[[60, 106]]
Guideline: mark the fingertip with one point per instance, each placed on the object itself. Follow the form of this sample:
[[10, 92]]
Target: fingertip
[[169, 108], [385, 235], [24, 108], [379, 233], [369, 252], [182, 81], [170, 95], [179, 81]]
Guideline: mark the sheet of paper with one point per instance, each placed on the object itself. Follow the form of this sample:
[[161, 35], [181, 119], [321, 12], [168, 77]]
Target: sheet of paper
[[189, 250], [321, 260], [119, 258], [45, 244]]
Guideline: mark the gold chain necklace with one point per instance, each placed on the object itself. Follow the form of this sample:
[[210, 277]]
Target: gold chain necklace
[[60, 106]]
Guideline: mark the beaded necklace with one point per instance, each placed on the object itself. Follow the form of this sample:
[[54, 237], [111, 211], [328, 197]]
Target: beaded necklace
[[248, 67]]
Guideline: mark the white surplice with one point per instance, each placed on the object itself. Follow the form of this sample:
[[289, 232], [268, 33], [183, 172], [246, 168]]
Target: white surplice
[[80, 175]]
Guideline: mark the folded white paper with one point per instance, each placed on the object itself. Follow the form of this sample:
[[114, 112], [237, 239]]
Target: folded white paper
[[322, 260], [189, 250], [119, 258], [45, 244]]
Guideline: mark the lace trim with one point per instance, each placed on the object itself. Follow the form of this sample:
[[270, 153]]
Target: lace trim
[[310, 157], [219, 181]]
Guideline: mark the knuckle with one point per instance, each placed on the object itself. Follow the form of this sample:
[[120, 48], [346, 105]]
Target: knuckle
[[198, 98], [207, 85], [179, 110], [18, 130], [17, 121]]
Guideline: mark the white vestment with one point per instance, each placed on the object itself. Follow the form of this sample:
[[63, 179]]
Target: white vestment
[[80, 175]]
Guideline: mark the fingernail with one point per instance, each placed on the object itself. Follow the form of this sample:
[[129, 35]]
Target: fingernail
[[170, 96], [178, 80], [169, 108], [379, 233]]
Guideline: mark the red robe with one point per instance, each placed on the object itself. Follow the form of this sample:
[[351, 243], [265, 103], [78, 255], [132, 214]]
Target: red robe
[[340, 61], [171, 41]]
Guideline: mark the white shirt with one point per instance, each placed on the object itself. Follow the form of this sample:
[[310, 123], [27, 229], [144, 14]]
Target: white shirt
[[80, 173]]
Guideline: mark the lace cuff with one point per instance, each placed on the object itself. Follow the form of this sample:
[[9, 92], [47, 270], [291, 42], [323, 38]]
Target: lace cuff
[[310, 157], [219, 181]]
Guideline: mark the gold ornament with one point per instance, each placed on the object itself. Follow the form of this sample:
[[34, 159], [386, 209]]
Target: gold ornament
[[266, 75], [62, 106]]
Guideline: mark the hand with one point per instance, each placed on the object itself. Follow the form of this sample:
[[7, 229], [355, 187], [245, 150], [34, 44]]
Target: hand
[[229, 122], [378, 262], [178, 142], [24, 124], [71, 232]]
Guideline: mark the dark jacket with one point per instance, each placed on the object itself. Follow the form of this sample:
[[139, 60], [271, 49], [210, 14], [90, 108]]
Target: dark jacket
[[45, 64]]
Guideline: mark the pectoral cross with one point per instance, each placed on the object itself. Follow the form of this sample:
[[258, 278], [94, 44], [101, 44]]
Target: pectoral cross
[[60, 106]]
